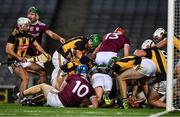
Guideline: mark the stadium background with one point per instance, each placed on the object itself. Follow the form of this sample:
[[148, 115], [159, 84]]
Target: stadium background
[[70, 18]]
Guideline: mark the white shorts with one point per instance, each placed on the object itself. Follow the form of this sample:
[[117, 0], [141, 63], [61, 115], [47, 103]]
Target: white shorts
[[24, 64], [160, 87], [147, 67], [104, 57], [57, 60], [53, 99], [40, 64], [103, 80]]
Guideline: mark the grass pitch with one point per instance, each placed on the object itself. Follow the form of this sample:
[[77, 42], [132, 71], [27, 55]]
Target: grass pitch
[[18, 110]]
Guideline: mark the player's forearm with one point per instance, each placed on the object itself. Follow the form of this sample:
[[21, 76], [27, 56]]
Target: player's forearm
[[126, 49], [139, 53], [55, 36], [10, 51], [162, 43], [38, 47]]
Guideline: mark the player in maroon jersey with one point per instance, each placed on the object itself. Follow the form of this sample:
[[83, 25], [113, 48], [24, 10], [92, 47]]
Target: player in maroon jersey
[[73, 90], [110, 46], [37, 29]]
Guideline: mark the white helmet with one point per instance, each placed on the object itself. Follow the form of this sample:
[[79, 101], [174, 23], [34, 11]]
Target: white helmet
[[147, 44], [158, 33], [23, 20]]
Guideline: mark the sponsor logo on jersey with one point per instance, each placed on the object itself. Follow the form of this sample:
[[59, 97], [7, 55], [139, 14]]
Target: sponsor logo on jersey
[[23, 47]]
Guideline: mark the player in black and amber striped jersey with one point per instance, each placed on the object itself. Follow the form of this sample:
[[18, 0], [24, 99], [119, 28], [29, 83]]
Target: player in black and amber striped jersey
[[157, 56], [160, 36], [152, 61], [120, 65], [74, 49], [16, 48]]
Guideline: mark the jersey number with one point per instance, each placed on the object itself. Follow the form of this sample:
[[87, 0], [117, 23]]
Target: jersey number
[[164, 54], [78, 88], [112, 36]]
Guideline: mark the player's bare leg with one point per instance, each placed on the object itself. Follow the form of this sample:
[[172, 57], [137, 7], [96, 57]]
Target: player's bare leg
[[37, 69], [42, 76], [21, 72], [122, 78], [41, 88], [57, 82], [154, 100], [99, 93], [127, 75]]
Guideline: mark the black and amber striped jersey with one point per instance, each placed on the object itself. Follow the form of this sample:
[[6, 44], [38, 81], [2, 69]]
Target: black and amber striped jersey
[[21, 43], [158, 57], [76, 43], [176, 42], [125, 63]]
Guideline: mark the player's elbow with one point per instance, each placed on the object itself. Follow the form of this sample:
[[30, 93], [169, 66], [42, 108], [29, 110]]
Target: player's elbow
[[8, 48]]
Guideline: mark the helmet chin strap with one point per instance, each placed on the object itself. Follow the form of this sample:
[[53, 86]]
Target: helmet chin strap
[[34, 22]]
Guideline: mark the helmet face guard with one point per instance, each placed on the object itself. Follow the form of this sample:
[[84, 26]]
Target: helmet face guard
[[94, 40], [23, 24], [159, 34], [147, 44], [23, 20]]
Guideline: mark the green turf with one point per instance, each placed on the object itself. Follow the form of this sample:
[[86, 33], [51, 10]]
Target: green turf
[[18, 110]]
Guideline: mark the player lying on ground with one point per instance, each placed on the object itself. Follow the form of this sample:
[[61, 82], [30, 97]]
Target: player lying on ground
[[73, 90]]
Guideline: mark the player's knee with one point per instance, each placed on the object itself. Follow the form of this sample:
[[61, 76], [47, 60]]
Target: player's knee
[[42, 84]]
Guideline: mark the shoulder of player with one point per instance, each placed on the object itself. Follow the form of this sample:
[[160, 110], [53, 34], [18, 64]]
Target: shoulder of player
[[81, 38], [30, 35], [40, 23], [15, 31]]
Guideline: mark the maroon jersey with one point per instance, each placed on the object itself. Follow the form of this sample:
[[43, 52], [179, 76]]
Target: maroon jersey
[[113, 42], [77, 88], [37, 29]]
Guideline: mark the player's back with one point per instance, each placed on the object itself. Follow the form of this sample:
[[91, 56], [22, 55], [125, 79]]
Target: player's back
[[159, 58], [77, 88], [77, 42], [113, 42]]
